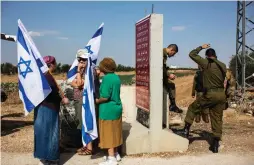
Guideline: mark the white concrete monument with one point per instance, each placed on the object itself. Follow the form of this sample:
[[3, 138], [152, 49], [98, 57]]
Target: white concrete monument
[[145, 134]]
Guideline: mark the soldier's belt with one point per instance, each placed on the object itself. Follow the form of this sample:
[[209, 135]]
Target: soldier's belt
[[216, 90]]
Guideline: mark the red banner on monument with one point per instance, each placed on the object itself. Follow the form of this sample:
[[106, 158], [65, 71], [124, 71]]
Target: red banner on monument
[[142, 64]]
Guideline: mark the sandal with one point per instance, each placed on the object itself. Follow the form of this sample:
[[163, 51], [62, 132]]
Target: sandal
[[84, 151], [81, 149]]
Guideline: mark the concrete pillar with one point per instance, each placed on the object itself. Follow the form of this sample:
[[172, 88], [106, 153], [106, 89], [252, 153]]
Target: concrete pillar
[[138, 138]]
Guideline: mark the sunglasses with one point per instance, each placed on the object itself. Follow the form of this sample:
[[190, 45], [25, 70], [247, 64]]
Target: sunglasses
[[82, 61]]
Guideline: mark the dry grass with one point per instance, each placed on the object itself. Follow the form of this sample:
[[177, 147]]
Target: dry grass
[[14, 78], [183, 90], [62, 76]]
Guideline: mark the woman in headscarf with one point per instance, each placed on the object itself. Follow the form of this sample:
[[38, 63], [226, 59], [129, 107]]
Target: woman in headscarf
[[110, 111], [46, 120]]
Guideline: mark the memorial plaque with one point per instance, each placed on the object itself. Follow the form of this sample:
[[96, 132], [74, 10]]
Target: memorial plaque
[[142, 70]]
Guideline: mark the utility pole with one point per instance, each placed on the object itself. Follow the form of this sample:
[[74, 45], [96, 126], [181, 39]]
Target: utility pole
[[242, 44]]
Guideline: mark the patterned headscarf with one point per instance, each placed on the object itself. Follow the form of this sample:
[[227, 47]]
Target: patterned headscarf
[[49, 60]]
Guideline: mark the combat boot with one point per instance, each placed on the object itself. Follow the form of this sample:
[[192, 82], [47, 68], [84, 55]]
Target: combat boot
[[205, 117], [173, 107], [215, 145], [198, 118], [183, 132]]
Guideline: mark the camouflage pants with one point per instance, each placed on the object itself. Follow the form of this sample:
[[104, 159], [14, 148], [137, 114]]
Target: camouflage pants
[[215, 102]]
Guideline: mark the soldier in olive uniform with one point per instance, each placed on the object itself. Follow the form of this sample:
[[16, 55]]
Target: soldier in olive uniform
[[230, 85], [214, 98], [168, 85], [197, 90]]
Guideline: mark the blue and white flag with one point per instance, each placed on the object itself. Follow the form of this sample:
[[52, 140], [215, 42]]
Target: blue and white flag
[[33, 86], [43, 66], [93, 48], [89, 125]]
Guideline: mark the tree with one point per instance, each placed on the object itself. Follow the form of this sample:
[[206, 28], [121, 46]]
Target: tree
[[65, 68], [58, 68], [249, 67], [14, 69], [7, 68], [121, 68], [2, 68]]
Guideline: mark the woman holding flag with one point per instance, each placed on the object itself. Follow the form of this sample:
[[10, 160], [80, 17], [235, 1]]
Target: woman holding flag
[[78, 85], [46, 120]]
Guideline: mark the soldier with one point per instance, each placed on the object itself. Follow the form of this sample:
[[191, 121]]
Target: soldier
[[197, 90], [214, 98], [168, 85], [229, 85]]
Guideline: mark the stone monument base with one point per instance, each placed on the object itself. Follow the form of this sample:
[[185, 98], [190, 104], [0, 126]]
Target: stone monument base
[[138, 139]]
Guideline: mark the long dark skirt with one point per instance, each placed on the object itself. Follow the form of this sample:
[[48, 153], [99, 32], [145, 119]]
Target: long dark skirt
[[46, 133]]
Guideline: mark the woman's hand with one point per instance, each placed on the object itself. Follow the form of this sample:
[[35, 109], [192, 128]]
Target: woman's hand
[[101, 100], [97, 101]]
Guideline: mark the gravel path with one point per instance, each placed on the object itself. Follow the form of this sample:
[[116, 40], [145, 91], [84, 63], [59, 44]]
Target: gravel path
[[205, 159]]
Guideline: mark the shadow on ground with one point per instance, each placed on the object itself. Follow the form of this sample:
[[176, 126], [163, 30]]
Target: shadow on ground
[[13, 115], [11, 126], [202, 135]]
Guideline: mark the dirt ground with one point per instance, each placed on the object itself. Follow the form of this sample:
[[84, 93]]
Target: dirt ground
[[238, 132], [238, 129]]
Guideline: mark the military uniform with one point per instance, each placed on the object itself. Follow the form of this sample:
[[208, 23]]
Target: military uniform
[[168, 85], [197, 89], [214, 97], [229, 87]]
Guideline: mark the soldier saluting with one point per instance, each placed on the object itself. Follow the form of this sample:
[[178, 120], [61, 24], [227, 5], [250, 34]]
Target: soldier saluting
[[213, 97]]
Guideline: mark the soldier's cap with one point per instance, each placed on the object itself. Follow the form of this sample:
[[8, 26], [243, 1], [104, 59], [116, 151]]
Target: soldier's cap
[[82, 54]]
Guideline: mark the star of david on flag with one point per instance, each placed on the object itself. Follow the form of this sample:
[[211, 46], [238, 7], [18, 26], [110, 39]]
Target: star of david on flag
[[33, 86], [27, 65]]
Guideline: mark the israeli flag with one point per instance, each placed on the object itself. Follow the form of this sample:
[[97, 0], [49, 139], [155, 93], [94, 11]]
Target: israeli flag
[[93, 48], [89, 125], [43, 66], [33, 86]]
